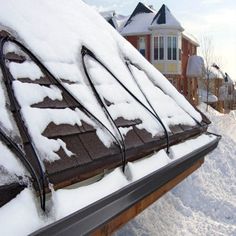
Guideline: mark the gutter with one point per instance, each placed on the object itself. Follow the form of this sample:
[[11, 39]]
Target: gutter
[[94, 216]]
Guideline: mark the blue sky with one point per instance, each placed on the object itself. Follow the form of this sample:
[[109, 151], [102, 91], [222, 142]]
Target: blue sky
[[215, 19]]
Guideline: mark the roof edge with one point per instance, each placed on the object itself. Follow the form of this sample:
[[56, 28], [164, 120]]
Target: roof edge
[[195, 42], [90, 218]]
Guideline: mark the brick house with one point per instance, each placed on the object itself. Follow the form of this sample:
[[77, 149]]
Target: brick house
[[161, 39]]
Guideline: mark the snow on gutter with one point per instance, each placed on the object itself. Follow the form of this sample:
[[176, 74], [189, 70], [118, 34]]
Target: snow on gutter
[[88, 219]]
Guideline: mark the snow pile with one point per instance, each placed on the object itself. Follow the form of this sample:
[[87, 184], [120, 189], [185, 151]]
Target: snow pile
[[203, 96], [195, 67], [21, 216], [204, 203]]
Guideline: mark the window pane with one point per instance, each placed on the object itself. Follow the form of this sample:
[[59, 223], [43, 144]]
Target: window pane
[[142, 51], [161, 48], [174, 48], [142, 46], [155, 48], [169, 48]]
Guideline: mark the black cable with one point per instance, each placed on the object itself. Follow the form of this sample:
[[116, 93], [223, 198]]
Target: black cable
[[19, 153], [135, 65], [90, 53], [60, 85], [103, 105], [15, 106], [154, 111]]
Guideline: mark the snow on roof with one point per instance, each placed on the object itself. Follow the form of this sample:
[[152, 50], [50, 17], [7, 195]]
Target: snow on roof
[[139, 24], [139, 9], [80, 25], [190, 37], [107, 14], [164, 18], [195, 67], [117, 21], [56, 31], [215, 74]]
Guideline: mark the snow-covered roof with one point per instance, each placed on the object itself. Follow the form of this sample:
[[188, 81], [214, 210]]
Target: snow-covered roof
[[165, 19], [139, 21], [82, 98], [141, 8], [190, 38], [139, 24], [215, 74], [117, 21], [195, 67], [144, 19]]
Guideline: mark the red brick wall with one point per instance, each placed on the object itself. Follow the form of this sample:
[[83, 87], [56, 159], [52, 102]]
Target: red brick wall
[[134, 41], [188, 49]]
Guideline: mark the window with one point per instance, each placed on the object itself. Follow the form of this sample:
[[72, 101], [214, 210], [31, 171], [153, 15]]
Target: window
[[155, 48], [174, 49], [142, 46], [171, 48], [159, 48]]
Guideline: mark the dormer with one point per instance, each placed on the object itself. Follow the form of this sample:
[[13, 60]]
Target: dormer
[[166, 40]]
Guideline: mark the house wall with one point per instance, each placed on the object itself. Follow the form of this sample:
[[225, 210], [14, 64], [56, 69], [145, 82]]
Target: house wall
[[188, 49], [134, 40]]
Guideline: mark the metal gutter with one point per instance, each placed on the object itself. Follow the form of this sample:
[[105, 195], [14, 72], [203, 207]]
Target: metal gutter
[[92, 217]]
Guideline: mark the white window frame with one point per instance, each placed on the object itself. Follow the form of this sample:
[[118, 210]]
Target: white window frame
[[142, 45], [171, 39], [159, 38]]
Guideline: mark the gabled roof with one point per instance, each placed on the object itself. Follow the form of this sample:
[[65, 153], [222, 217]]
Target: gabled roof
[[164, 18], [144, 19], [139, 24], [140, 9], [190, 38]]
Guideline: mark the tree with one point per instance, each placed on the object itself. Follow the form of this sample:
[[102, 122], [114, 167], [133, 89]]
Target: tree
[[207, 51]]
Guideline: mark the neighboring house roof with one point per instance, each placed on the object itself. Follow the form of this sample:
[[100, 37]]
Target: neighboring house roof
[[190, 38], [115, 20], [84, 101], [140, 9], [165, 19], [139, 21], [144, 19], [139, 24], [215, 74]]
